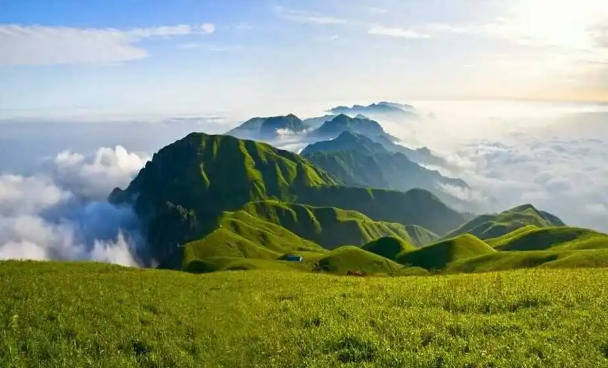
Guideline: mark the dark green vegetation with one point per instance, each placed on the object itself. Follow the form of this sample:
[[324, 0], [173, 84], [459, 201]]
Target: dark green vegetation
[[183, 196], [92, 315]]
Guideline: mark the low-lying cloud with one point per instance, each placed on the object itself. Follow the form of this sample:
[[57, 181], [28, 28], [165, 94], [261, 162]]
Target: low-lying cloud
[[61, 213]]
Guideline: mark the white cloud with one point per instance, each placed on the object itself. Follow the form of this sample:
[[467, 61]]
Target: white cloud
[[45, 45], [396, 32], [95, 176], [62, 214], [303, 16]]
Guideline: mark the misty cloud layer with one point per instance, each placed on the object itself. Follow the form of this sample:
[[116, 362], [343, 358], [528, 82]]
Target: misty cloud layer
[[61, 213]]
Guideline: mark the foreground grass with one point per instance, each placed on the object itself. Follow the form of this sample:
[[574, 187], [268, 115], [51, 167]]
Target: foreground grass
[[81, 315]]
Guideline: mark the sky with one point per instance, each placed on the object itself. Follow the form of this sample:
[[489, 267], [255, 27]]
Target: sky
[[193, 56]]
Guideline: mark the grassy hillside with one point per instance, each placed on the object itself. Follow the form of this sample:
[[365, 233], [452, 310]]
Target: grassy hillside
[[350, 258], [436, 256], [554, 238], [182, 194], [497, 225], [388, 247], [503, 261], [332, 227], [90, 315]]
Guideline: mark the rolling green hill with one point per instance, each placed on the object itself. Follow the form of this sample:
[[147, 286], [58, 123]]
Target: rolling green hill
[[96, 315], [182, 193], [388, 247], [350, 258], [436, 256], [497, 225], [506, 261], [554, 238], [333, 227]]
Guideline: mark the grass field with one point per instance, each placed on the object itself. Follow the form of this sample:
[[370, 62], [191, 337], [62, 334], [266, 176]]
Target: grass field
[[92, 315]]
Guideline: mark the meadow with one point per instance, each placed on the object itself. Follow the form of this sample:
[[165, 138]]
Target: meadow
[[97, 315]]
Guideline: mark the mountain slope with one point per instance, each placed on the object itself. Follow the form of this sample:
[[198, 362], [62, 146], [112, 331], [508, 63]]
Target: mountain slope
[[182, 192], [381, 109], [496, 225], [436, 256]]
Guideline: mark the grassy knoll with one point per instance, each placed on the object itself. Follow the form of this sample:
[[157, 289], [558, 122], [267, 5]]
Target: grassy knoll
[[436, 256], [90, 315]]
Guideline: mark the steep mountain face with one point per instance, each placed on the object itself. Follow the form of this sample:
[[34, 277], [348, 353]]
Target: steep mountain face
[[268, 127], [181, 194], [497, 225]]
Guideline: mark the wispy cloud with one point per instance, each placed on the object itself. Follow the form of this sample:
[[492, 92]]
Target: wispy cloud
[[45, 45], [304, 16], [208, 47], [396, 32]]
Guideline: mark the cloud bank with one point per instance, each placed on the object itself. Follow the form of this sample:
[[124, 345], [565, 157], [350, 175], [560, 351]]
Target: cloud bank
[[61, 213]]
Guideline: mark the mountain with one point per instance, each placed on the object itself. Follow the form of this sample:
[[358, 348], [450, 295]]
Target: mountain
[[496, 225], [343, 123], [187, 185], [381, 109], [436, 256], [358, 161], [181, 194], [268, 127]]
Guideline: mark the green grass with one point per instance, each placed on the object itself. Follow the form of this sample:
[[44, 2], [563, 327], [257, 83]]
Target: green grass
[[554, 238], [388, 247], [436, 256], [90, 315]]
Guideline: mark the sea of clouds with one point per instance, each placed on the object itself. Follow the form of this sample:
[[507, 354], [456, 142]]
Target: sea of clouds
[[54, 181]]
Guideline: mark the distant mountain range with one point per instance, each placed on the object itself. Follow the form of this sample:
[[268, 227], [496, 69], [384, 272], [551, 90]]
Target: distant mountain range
[[377, 110], [358, 161]]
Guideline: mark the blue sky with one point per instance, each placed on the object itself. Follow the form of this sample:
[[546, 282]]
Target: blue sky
[[251, 55]]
